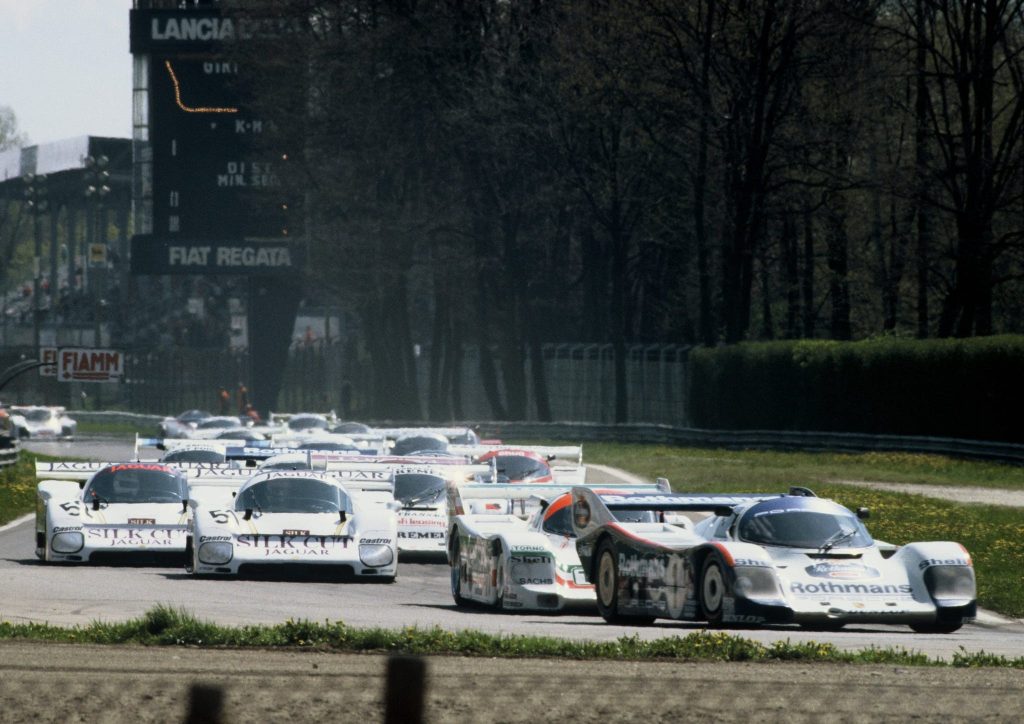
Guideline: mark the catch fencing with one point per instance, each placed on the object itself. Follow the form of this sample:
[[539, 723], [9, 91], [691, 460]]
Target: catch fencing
[[579, 379]]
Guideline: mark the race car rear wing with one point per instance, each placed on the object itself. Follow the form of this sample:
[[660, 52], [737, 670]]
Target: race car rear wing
[[82, 471], [393, 433], [523, 499], [593, 509]]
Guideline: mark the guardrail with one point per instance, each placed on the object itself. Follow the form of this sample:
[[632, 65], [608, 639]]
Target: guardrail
[[687, 436], [758, 439], [9, 451]]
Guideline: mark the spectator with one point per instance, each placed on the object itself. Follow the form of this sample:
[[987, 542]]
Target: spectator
[[253, 415], [224, 398], [243, 398]]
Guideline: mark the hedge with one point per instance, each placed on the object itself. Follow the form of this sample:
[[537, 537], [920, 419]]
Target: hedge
[[963, 388]]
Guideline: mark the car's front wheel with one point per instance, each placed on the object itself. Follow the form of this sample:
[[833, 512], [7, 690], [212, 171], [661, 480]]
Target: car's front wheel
[[456, 573]]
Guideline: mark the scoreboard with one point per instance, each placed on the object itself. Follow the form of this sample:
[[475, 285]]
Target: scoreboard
[[215, 175]]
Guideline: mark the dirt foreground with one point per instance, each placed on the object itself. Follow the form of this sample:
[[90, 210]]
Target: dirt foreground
[[85, 683]]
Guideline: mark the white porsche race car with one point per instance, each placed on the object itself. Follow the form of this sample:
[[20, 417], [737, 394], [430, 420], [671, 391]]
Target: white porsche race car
[[96, 512], [511, 549], [285, 522], [763, 559]]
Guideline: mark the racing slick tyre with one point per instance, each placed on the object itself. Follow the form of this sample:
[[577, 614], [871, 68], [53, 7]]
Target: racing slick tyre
[[606, 585], [499, 579], [938, 627], [456, 574], [190, 555], [714, 588]]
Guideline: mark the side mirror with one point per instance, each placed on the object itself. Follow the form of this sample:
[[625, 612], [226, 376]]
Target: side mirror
[[248, 514], [184, 505], [863, 513], [95, 503]]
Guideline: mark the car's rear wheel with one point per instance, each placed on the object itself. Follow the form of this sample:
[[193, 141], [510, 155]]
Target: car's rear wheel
[[714, 588], [606, 586], [499, 578]]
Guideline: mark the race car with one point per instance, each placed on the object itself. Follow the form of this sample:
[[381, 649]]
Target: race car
[[561, 464], [764, 559], [182, 425], [511, 549], [40, 422], [284, 522], [420, 488], [89, 512]]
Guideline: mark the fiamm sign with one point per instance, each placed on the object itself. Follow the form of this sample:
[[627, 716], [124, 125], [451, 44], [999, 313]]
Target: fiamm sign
[[84, 364]]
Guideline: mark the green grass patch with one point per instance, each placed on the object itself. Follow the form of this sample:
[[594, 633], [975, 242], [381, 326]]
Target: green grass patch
[[167, 626], [18, 488], [119, 429], [690, 467], [991, 534]]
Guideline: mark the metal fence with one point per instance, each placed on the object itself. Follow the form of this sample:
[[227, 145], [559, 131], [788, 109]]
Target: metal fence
[[580, 381]]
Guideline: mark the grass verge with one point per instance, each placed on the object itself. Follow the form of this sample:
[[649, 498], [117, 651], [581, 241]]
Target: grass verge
[[18, 488], [168, 626]]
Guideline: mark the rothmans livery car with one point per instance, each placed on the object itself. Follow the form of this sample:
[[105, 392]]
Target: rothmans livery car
[[88, 512], [791, 558], [295, 521], [509, 548]]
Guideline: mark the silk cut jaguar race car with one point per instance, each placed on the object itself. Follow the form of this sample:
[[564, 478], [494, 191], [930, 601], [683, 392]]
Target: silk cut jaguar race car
[[98, 512], [758, 559], [285, 522], [511, 549]]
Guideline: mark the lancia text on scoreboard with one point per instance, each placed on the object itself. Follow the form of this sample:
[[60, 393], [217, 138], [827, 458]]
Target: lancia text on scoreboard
[[84, 364]]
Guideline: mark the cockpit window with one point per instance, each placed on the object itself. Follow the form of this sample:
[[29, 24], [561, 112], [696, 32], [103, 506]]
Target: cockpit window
[[292, 495], [559, 522], [194, 456], [803, 528], [307, 422], [636, 516], [514, 468], [141, 483], [419, 488]]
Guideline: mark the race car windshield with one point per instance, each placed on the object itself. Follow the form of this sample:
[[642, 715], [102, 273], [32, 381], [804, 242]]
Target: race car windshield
[[218, 422], [328, 446], [419, 443], [636, 516], [37, 415], [520, 467], [194, 456], [136, 484], [292, 495], [418, 488], [307, 423], [803, 529]]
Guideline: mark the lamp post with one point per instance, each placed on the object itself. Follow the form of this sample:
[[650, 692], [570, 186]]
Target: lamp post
[[35, 197], [97, 187]]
